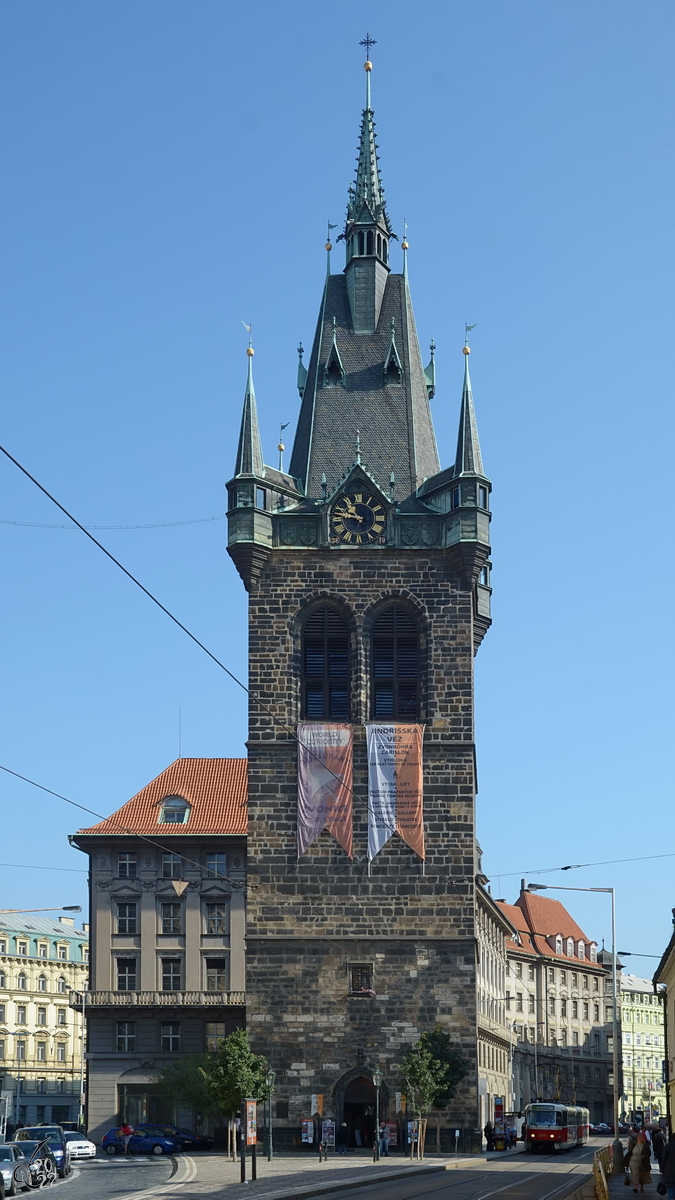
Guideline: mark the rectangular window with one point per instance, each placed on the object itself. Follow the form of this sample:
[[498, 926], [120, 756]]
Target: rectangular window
[[126, 1036], [519, 970], [610, 1045], [21, 1051], [563, 1038], [585, 1010], [519, 1001], [609, 1012], [216, 918], [62, 953], [171, 974], [3, 947], [531, 1004], [575, 979], [22, 949], [2, 1049], [482, 496], [42, 1016], [530, 973], [60, 1051], [455, 497], [260, 498], [126, 918], [551, 1005], [126, 974], [170, 1036], [575, 1008], [42, 1051], [215, 866], [596, 1043], [575, 1038], [216, 975], [596, 987], [596, 1012], [126, 866], [171, 866], [563, 978], [42, 951], [2, 1014], [171, 918], [360, 977], [61, 1016], [21, 1014], [563, 1008], [551, 975], [41, 1087], [215, 1033], [508, 1002]]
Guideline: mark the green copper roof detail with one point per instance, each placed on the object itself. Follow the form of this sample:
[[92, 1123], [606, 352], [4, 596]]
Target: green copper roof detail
[[249, 451], [468, 460], [366, 203]]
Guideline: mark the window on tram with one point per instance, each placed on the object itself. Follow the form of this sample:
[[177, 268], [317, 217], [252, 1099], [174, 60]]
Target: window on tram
[[545, 1117]]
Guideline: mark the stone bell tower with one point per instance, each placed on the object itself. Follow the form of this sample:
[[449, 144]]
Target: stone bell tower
[[367, 568]]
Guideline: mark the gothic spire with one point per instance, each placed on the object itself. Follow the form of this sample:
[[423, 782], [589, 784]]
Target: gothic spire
[[366, 195], [468, 460], [249, 452]]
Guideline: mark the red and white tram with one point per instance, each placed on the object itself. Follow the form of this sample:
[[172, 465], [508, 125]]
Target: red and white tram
[[555, 1126]]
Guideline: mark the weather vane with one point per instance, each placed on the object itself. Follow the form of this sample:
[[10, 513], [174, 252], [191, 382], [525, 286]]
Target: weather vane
[[368, 42], [467, 331]]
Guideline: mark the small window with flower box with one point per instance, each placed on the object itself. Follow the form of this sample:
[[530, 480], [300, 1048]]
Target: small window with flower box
[[360, 978]]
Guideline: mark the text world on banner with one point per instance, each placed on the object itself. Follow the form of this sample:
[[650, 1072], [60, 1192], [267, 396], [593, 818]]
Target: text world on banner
[[395, 786], [324, 802]]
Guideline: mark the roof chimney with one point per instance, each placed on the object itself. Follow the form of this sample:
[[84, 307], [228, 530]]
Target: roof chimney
[[523, 885], [67, 921]]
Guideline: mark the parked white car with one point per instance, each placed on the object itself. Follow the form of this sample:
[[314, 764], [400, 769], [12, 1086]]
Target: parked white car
[[80, 1146]]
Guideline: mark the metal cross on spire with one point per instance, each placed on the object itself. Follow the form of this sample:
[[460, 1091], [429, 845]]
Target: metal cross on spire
[[368, 42]]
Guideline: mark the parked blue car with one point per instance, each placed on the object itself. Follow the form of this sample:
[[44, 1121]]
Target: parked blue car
[[139, 1143]]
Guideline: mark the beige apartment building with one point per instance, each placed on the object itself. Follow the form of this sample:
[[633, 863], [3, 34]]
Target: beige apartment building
[[167, 878], [494, 1053], [42, 960], [643, 1048], [559, 1006]]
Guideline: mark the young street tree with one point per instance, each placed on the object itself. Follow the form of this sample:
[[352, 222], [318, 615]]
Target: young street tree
[[235, 1071], [432, 1068]]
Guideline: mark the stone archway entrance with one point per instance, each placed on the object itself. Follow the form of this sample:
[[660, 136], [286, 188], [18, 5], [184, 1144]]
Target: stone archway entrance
[[359, 1110]]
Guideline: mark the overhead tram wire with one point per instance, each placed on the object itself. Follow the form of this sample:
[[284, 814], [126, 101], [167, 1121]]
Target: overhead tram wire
[[605, 862], [152, 525], [252, 695]]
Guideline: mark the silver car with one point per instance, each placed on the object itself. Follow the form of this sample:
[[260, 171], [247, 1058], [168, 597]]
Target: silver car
[[10, 1157]]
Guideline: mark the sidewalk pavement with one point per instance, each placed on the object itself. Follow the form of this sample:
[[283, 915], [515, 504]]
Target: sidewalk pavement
[[293, 1175]]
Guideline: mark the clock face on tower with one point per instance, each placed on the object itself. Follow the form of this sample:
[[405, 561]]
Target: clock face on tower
[[358, 519]]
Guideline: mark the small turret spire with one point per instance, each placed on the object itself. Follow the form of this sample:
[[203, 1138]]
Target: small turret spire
[[468, 460], [404, 247], [249, 451]]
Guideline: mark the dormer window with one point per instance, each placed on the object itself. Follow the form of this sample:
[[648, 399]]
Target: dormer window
[[558, 944], [581, 950], [174, 811], [570, 947], [594, 952]]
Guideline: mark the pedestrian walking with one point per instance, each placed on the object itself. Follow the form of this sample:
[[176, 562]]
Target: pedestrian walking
[[640, 1157], [668, 1167], [127, 1132], [384, 1141], [489, 1135], [658, 1146], [342, 1139]]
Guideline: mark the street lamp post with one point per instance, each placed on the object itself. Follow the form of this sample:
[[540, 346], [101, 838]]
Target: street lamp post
[[377, 1080], [617, 1148], [269, 1080]]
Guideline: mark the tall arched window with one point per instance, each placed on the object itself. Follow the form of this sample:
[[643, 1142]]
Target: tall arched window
[[21, 982], [42, 983], [325, 665], [396, 665], [369, 242], [361, 242]]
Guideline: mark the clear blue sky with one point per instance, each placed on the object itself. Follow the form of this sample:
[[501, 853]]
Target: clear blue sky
[[168, 170]]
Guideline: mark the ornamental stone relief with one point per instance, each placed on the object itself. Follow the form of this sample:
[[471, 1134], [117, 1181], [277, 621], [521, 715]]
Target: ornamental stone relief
[[297, 533], [414, 532]]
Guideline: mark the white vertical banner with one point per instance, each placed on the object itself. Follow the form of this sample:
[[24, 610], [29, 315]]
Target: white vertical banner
[[380, 742]]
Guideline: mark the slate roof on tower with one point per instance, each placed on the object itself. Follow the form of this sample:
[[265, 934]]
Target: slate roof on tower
[[394, 421], [215, 789]]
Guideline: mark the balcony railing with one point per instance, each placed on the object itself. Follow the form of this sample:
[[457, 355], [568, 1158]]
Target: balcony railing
[[156, 999]]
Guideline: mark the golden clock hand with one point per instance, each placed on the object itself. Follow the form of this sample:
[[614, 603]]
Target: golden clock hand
[[351, 511]]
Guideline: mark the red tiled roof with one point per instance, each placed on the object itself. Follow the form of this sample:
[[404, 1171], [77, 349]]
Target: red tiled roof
[[537, 918], [215, 789], [549, 917]]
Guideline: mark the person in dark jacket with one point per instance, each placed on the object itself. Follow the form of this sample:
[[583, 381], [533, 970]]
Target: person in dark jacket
[[342, 1139], [658, 1145], [668, 1167]]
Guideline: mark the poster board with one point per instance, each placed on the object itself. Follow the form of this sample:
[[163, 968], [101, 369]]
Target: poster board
[[251, 1123], [308, 1130]]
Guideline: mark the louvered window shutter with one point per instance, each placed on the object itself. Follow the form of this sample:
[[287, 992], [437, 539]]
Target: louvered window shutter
[[325, 666], [396, 666]]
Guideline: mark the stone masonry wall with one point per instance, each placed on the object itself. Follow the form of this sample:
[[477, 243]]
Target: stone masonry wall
[[308, 919]]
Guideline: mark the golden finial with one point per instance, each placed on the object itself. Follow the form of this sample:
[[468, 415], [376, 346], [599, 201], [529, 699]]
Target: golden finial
[[368, 66], [328, 246], [250, 351], [465, 350]]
